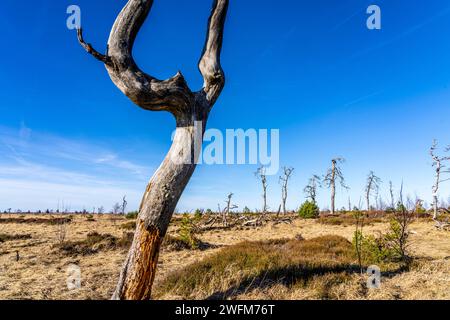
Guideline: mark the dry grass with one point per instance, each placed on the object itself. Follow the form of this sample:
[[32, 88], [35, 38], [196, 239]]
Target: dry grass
[[242, 268], [41, 271], [36, 220], [95, 243], [8, 237], [346, 220]]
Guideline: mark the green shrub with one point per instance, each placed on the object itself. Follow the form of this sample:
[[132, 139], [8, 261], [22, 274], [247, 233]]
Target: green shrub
[[397, 239], [420, 209], [132, 215], [187, 234], [309, 210], [198, 215], [372, 249], [389, 247]]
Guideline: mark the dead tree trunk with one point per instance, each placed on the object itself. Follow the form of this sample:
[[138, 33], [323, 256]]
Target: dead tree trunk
[[191, 111], [284, 181], [391, 193], [435, 188], [330, 178], [261, 174], [333, 186], [227, 210], [373, 185], [439, 167]]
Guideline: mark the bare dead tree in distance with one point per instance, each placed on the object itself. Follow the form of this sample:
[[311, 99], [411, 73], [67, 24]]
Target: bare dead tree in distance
[[172, 95], [311, 189], [391, 193], [372, 187], [284, 181], [261, 175], [334, 174], [440, 168], [124, 205], [228, 208]]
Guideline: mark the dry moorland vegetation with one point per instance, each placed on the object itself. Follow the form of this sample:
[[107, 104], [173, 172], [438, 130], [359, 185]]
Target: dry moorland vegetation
[[282, 259]]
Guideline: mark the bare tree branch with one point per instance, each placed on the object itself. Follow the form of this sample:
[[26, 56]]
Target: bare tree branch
[[209, 64], [88, 47], [147, 92]]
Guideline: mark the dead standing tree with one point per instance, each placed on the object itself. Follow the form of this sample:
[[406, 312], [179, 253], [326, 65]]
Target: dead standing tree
[[189, 108], [284, 181], [227, 210], [438, 164], [124, 205], [372, 187], [261, 175], [334, 174], [391, 193], [311, 189]]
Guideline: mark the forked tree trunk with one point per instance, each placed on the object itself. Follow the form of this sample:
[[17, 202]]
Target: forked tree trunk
[[191, 111], [158, 205]]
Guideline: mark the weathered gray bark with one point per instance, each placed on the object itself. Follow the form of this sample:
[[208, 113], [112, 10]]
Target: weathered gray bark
[[284, 181], [391, 193], [373, 185], [333, 186], [437, 164], [261, 174], [189, 108], [330, 178], [226, 212]]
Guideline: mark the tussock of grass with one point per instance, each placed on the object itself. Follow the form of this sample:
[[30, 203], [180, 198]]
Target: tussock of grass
[[129, 225], [95, 243], [249, 265], [49, 221], [347, 220], [132, 215], [172, 243], [14, 237]]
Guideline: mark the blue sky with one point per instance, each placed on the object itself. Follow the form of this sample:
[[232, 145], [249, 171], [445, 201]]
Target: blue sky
[[309, 68]]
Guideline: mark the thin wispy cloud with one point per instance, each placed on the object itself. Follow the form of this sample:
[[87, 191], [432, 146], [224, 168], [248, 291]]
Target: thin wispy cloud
[[24, 146], [37, 168], [364, 98], [403, 34]]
